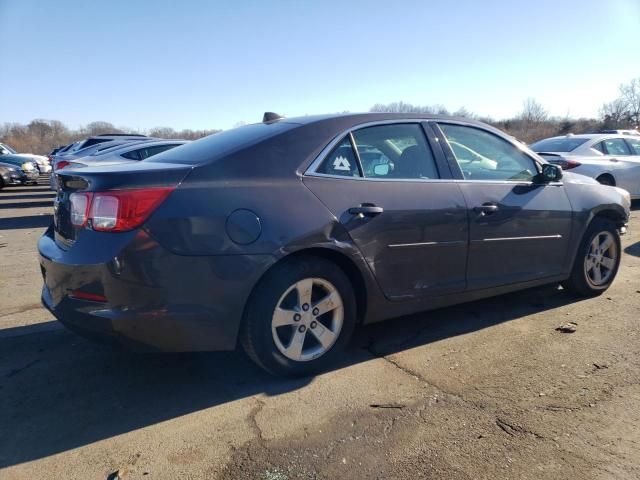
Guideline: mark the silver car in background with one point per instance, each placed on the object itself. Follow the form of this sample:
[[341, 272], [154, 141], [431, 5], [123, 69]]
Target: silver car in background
[[60, 161], [612, 159], [125, 153]]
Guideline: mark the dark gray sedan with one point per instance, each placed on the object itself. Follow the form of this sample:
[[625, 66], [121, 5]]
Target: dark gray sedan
[[284, 235]]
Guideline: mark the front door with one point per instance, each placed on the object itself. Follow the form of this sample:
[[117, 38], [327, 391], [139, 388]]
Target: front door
[[384, 186], [519, 228]]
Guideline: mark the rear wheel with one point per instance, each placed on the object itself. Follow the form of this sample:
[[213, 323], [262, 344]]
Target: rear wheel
[[299, 317], [597, 260]]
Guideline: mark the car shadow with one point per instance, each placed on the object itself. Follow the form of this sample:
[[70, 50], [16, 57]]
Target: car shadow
[[633, 249], [635, 205], [30, 221], [59, 392], [14, 205], [29, 196]]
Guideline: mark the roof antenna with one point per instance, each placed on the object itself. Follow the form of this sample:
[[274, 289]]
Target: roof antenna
[[270, 117]]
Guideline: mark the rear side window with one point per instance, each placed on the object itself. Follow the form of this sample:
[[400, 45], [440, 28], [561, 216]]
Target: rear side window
[[397, 151], [132, 155], [481, 155], [599, 147], [616, 146], [634, 143], [341, 161], [567, 144]]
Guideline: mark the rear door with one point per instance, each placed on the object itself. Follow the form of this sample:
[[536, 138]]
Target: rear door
[[400, 206], [519, 229]]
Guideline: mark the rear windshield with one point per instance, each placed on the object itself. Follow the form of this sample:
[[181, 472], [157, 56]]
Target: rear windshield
[[220, 144], [558, 144]]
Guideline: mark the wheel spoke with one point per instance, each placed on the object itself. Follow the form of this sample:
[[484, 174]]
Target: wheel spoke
[[608, 262], [294, 350], [304, 288], [606, 243], [328, 303], [597, 275], [282, 317], [325, 336]]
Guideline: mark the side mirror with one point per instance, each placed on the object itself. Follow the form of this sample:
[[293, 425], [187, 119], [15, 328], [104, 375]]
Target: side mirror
[[551, 173], [381, 170]]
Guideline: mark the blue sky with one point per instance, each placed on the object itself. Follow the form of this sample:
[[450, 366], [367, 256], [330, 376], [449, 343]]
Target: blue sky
[[208, 64]]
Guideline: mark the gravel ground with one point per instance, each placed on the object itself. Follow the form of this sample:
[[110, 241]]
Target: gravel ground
[[483, 390]]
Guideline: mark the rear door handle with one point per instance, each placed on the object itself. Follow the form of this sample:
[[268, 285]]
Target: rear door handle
[[367, 210], [486, 209]]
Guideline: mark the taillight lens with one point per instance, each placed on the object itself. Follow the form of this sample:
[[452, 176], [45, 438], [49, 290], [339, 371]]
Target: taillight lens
[[123, 210], [80, 203], [61, 164], [571, 164]]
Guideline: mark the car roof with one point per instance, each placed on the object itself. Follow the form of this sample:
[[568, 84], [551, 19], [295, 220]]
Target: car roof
[[358, 118], [588, 136]]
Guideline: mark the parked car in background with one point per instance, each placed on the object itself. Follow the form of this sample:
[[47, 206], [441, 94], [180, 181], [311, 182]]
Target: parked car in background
[[11, 174], [125, 153], [612, 159], [281, 237], [621, 132], [62, 160], [107, 137], [42, 162], [27, 166]]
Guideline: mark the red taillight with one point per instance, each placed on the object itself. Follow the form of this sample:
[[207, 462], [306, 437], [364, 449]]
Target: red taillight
[[569, 164], [61, 164], [92, 297], [116, 210]]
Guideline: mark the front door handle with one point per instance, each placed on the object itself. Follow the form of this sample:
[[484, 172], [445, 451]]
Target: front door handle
[[367, 210], [614, 160], [486, 209]]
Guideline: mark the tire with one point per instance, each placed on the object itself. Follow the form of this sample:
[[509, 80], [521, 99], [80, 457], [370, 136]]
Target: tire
[[270, 338], [585, 279], [606, 180]]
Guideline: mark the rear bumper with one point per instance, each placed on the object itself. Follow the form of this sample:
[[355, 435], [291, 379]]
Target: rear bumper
[[156, 300]]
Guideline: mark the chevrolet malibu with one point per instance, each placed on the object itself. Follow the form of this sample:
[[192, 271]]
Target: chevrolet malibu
[[284, 235]]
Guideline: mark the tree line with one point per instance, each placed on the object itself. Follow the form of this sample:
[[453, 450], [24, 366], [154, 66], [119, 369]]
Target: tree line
[[532, 123], [41, 136]]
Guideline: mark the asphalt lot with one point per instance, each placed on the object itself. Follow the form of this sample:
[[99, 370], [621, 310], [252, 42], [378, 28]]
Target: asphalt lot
[[483, 390]]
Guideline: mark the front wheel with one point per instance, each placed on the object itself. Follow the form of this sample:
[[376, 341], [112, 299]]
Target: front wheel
[[597, 260], [299, 317]]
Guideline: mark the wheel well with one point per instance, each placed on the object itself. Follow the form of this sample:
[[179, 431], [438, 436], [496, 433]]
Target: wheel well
[[346, 265], [609, 177], [611, 215]]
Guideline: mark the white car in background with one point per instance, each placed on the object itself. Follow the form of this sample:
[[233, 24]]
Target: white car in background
[[41, 161], [610, 159]]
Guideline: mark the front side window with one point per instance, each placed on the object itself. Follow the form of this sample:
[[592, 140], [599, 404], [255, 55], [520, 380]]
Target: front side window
[[634, 143], [484, 156], [616, 146]]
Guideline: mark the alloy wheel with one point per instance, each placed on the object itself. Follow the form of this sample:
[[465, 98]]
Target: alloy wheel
[[600, 261], [307, 319]]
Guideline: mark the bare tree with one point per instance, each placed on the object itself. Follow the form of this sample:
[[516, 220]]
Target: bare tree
[[533, 112], [630, 94], [615, 113]]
